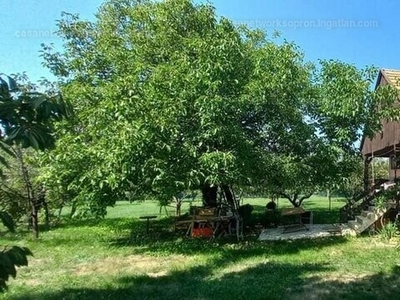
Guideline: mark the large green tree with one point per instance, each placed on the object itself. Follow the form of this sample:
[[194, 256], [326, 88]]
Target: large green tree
[[341, 107], [170, 97], [345, 107]]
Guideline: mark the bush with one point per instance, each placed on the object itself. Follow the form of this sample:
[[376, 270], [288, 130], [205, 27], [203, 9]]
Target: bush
[[389, 231], [245, 211], [271, 218]]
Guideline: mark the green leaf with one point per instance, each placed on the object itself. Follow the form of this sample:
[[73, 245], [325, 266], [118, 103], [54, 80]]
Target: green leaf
[[14, 134], [7, 221], [32, 141]]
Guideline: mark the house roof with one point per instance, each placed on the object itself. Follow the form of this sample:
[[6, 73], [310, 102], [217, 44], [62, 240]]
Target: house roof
[[392, 77], [387, 141]]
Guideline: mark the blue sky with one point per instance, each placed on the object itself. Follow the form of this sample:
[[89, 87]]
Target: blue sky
[[359, 32]]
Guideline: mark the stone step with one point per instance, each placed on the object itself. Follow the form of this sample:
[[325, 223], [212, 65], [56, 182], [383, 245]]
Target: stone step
[[354, 225], [377, 210], [362, 220], [369, 214], [366, 218], [347, 230], [360, 223], [365, 213], [375, 217]]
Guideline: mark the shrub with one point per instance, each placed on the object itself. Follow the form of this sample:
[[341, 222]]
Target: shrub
[[389, 231]]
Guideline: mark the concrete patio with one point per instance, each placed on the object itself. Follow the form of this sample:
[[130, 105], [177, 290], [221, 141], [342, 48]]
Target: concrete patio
[[314, 231]]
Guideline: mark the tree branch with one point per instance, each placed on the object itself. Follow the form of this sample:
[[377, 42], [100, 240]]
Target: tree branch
[[291, 200], [305, 197]]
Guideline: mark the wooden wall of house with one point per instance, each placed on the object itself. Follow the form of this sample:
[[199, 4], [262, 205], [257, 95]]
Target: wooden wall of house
[[382, 144], [394, 169]]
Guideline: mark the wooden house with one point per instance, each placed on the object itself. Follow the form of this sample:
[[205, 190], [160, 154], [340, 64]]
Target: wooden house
[[385, 143]]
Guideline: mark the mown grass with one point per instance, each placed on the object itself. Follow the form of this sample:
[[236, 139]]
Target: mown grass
[[116, 259]]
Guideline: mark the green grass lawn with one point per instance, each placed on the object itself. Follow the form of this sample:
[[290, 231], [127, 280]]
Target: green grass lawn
[[115, 259], [319, 205]]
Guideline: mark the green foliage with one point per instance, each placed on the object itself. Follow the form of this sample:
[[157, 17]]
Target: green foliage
[[13, 194], [389, 231], [7, 220], [380, 201], [27, 116], [114, 258], [169, 97], [165, 108], [344, 110], [379, 168], [11, 257], [26, 120], [351, 182], [345, 97]]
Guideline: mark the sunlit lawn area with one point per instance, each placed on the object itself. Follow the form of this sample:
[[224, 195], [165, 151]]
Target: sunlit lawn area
[[319, 205], [115, 259]]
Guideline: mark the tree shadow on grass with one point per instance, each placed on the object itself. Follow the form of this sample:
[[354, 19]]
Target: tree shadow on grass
[[225, 275], [160, 240], [87, 231], [266, 280], [380, 286], [118, 223], [326, 216]]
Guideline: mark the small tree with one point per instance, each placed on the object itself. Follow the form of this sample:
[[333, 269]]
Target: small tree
[[27, 117]]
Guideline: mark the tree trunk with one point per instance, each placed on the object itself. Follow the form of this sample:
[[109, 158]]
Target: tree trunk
[[62, 204], [32, 201], [73, 210], [46, 214], [178, 208], [329, 198], [59, 212], [228, 195], [35, 219], [304, 198], [292, 199], [41, 202], [209, 195]]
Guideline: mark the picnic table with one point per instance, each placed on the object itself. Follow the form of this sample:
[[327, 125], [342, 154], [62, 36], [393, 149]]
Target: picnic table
[[293, 218]]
